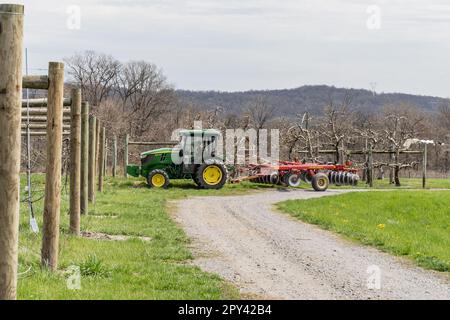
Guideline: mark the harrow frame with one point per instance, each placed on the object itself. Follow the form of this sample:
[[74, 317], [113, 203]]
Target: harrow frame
[[290, 173]]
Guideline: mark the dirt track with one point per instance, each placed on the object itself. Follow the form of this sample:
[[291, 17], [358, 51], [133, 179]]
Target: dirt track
[[270, 255]]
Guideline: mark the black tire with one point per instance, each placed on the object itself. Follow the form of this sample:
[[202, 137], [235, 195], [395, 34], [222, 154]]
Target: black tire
[[195, 179], [320, 182], [153, 179], [218, 168]]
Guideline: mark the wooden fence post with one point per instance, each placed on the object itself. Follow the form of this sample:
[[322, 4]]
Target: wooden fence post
[[11, 44], [424, 169], [84, 195], [114, 164], [101, 159], [75, 165], [105, 160], [97, 144], [370, 171], [52, 202], [92, 144], [125, 156]]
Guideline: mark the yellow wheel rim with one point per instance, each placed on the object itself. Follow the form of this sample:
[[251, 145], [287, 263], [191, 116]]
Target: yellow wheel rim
[[322, 182], [212, 175], [158, 180]]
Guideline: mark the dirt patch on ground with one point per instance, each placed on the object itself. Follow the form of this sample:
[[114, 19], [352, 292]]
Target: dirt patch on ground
[[110, 237], [269, 254]]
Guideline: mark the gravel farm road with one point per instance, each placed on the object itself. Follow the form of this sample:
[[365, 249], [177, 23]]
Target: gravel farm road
[[269, 255]]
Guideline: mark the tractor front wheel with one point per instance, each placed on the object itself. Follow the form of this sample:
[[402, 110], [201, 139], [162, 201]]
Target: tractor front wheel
[[211, 175], [158, 179]]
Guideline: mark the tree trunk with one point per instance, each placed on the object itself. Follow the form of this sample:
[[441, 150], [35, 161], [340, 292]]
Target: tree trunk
[[397, 169], [338, 154], [391, 169]]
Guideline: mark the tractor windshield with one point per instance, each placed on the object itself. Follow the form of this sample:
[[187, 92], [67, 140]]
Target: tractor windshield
[[198, 147]]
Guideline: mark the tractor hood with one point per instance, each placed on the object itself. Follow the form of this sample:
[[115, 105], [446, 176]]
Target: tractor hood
[[156, 151]]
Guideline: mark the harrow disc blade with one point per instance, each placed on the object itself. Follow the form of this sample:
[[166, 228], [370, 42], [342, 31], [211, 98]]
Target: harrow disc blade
[[274, 178], [294, 180], [347, 178], [333, 177]]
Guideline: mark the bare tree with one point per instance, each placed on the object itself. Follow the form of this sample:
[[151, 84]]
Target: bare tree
[[401, 123], [95, 73], [305, 133], [260, 112], [145, 94], [444, 118], [338, 123]]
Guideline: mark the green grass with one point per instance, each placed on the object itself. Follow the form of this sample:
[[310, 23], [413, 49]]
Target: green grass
[[415, 224], [413, 183], [406, 183], [132, 269]]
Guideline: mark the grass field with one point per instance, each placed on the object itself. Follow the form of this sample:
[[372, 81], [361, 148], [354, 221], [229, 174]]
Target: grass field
[[406, 183], [413, 184], [132, 269], [415, 224]]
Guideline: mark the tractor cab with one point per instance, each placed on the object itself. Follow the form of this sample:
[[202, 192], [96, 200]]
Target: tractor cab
[[195, 157], [196, 146]]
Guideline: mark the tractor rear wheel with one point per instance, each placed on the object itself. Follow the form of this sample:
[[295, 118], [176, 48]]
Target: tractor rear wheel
[[212, 174], [320, 182], [158, 179]]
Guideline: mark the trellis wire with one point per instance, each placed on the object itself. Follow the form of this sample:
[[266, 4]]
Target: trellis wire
[[33, 223]]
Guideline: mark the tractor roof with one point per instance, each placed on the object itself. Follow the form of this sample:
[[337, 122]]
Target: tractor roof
[[206, 132], [156, 151]]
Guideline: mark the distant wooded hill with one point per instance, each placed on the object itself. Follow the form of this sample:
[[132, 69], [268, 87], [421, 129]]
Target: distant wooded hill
[[290, 102]]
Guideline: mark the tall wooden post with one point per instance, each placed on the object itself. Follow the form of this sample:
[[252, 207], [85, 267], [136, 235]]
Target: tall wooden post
[[75, 162], [84, 195], [125, 156], [52, 202], [370, 163], [97, 144], [92, 162], [11, 44], [114, 160], [101, 159], [424, 169], [105, 160]]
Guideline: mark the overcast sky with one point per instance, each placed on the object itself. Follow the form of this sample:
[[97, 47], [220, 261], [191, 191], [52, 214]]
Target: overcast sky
[[232, 45]]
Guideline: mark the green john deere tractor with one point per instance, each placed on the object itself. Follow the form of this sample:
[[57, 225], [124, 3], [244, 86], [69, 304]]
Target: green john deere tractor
[[195, 157]]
